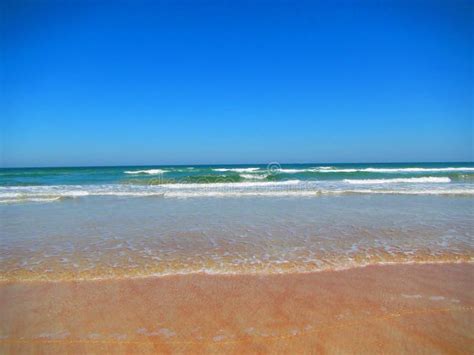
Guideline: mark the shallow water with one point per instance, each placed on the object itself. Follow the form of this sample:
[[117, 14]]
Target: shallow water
[[113, 236]]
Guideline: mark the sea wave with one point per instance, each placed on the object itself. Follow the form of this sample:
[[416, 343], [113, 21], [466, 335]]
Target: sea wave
[[413, 186], [254, 176], [249, 193], [394, 170], [237, 170], [430, 179], [149, 171], [294, 171], [235, 185], [328, 169]]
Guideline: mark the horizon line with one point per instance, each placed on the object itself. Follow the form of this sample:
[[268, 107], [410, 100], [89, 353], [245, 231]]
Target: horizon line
[[232, 164]]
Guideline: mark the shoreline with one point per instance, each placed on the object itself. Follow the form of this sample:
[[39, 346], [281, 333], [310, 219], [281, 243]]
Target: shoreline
[[462, 260], [388, 308]]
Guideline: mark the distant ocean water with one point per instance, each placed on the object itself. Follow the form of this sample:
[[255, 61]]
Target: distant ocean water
[[55, 184], [114, 222]]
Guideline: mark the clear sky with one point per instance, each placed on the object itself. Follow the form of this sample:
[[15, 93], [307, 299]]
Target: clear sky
[[186, 82]]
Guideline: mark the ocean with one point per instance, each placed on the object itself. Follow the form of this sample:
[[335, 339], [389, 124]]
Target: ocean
[[51, 184], [137, 221]]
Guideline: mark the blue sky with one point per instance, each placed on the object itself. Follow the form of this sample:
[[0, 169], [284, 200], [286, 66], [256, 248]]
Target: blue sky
[[185, 82]]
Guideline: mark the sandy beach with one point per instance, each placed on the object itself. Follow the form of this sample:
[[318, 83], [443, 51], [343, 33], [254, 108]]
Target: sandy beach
[[390, 309], [236, 177]]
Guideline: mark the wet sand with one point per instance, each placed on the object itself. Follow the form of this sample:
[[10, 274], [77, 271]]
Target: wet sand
[[390, 309]]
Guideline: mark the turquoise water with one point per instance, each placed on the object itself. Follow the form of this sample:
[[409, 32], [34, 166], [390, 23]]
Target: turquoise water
[[55, 184]]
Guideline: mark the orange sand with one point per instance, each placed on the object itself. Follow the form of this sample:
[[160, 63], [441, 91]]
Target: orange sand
[[391, 309]]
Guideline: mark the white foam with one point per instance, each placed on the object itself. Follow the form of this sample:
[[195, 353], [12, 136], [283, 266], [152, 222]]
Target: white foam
[[410, 186], [393, 170], [329, 169], [324, 169], [60, 192], [232, 185], [149, 171], [430, 179], [129, 194], [447, 192], [237, 170], [314, 193], [254, 176], [332, 170], [216, 193], [31, 199], [411, 296], [79, 193], [293, 171], [415, 170]]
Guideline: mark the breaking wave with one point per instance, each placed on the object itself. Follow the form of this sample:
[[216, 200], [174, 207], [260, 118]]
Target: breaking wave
[[149, 171], [429, 179], [251, 185], [237, 170]]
